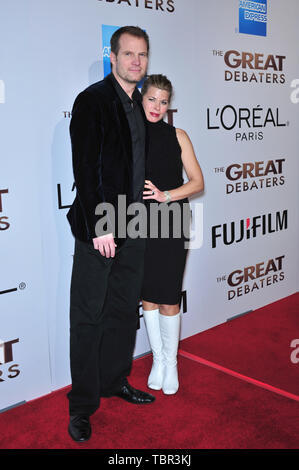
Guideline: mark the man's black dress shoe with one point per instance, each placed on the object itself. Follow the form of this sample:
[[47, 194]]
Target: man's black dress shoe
[[132, 395], [79, 428]]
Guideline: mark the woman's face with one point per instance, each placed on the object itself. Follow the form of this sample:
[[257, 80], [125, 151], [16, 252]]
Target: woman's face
[[155, 103]]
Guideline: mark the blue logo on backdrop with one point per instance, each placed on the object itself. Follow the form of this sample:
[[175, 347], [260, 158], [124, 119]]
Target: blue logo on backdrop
[[107, 31], [253, 17]]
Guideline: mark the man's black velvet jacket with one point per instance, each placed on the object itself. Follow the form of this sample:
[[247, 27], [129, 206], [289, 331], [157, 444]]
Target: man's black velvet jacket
[[102, 156]]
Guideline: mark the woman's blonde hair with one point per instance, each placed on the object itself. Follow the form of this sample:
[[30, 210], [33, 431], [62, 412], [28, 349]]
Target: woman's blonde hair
[[158, 81]]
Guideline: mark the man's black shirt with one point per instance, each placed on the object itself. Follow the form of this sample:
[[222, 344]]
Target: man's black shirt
[[137, 128]]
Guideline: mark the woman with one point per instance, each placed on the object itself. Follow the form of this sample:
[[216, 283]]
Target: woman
[[170, 150]]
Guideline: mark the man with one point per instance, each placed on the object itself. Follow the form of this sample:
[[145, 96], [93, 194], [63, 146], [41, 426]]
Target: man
[[108, 146]]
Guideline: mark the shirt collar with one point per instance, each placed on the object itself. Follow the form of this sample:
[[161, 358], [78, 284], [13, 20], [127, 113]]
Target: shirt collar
[[124, 97]]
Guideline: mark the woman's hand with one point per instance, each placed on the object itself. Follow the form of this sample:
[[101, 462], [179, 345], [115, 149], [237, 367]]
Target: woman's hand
[[153, 192]]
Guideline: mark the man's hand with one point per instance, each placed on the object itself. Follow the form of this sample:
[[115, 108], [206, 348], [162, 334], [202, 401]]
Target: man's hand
[[105, 245]]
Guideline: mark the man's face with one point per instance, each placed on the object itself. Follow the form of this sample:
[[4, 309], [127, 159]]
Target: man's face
[[130, 64]]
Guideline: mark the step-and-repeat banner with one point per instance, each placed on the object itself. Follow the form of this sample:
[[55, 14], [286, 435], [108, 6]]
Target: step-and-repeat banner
[[235, 70]]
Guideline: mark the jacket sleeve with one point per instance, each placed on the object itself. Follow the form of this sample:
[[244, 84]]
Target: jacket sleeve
[[86, 140]]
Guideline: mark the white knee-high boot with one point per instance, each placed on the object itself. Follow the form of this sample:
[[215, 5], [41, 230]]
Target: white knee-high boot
[[151, 318], [170, 333]]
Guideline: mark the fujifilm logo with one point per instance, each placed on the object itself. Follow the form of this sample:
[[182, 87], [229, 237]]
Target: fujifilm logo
[[245, 229]]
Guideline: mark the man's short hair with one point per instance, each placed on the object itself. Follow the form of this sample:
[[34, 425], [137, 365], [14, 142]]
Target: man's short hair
[[133, 30]]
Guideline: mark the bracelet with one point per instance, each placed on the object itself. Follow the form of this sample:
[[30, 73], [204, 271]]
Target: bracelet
[[168, 196]]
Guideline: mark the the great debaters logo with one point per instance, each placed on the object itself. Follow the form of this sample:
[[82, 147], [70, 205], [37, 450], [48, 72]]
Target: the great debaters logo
[[253, 17]]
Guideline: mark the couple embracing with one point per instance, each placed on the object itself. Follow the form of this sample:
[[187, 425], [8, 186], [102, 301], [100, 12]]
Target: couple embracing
[[122, 146]]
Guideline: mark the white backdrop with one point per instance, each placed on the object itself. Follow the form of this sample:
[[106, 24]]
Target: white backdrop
[[53, 50]]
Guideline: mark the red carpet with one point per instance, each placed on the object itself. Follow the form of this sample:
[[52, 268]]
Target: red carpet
[[256, 344], [212, 409]]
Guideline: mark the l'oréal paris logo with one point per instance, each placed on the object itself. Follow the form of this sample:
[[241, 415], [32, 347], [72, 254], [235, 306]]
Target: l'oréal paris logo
[[245, 229], [253, 176], [253, 17], [252, 279], [245, 121]]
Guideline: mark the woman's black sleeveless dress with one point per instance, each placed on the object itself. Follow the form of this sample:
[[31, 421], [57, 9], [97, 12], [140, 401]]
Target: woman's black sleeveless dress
[[165, 258]]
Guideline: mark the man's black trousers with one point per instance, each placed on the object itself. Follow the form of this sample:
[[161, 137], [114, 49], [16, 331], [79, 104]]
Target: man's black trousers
[[103, 321]]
